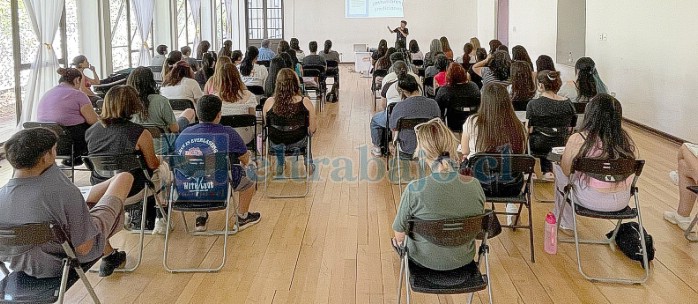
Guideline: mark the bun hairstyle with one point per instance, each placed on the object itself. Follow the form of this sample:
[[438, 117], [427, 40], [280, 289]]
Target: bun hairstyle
[[550, 80], [78, 60], [400, 68], [68, 75], [436, 143]]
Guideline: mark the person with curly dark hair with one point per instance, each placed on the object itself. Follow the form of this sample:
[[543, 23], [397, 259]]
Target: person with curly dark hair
[[496, 68]]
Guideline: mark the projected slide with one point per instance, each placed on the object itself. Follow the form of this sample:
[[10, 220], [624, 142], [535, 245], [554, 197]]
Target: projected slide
[[374, 8]]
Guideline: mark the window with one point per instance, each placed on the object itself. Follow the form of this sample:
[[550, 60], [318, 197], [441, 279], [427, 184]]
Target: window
[[264, 20], [186, 29], [125, 38], [22, 43]]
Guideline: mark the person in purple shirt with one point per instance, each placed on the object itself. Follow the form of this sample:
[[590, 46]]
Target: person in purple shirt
[[67, 106], [209, 136]]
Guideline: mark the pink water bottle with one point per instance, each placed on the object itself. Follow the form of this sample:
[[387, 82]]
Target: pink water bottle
[[550, 234]]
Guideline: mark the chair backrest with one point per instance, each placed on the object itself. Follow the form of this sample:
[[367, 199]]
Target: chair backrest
[[65, 142], [418, 62], [181, 104], [203, 178], [244, 124], [380, 73], [313, 70], [18, 239], [256, 90], [456, 116], [429, 81], [263, 62], [503, 174], [609, 170], [109, 165], [451, 232], [408, 123], [332, 64], [579, 107]]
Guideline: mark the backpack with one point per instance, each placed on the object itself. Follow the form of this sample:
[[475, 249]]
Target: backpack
[[628, 240]]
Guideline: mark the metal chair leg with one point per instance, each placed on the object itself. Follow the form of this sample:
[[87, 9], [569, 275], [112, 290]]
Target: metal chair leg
[[690, 236], [400, 279]]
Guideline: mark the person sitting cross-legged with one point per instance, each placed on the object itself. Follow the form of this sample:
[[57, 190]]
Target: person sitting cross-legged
[[209, 136], [39, 192]]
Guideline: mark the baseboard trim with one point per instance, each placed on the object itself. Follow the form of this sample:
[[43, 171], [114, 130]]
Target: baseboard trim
[[656, 132]]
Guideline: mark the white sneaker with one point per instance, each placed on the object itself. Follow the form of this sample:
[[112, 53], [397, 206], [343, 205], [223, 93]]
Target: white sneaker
[[674, 176], [682, 221], [161, 226], [376, 151], [511, 208]]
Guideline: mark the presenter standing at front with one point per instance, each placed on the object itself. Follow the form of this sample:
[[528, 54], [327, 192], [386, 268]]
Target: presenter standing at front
[[401, 32]]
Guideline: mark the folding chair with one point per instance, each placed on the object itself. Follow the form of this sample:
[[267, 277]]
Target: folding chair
[[317, 72], [265, 63], [107, 166], [157, 73], [428, 86], [404, 125], [181, 104], [375, 86], [418, 63], [690, 236], [19, 287], [448, 233], [256, 90], [608, 170], [65, 148], [555, 136], [245, 125], [579, 109], [163, 142], [456, 115], [275, 132], [333, 71], [388, 133], [201, 184], [506, 178]]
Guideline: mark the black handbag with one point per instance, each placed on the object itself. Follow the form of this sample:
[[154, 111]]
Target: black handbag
[[628, 241]]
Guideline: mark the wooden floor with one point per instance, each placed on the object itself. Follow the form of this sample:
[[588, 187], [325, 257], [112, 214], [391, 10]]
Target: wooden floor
[[333, 246]]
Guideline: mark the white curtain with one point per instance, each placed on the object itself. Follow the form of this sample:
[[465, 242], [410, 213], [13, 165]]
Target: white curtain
[[195, 6], [144, 16], [45, 16], [230, 8]]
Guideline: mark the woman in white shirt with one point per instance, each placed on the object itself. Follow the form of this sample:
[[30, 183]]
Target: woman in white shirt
[[180, 83], [236, 98], [414, 51], [252, 73]]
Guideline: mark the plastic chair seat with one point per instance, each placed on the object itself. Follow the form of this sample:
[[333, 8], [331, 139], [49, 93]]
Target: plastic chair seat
[[465, 279], [199, 206], [623, 214], [508, 199], [19, 287]]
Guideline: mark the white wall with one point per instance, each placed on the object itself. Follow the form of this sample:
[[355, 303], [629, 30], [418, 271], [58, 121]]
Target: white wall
[[486, 22], [324, 19]]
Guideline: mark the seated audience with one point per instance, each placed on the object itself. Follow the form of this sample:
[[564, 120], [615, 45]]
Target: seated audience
[[465, 58], [444, 194], [446, 48], [458, 92], [67, 106], [288, 105], [602, 137], [415, 53], [588, 82], [440, 76], [379, 52], [210, 137], [294, 44], [172, 59], [159, 58], [328, 53], [236, 57], [519, 53], [685, 176], [39, 192], [275, 65], [208, 87], [115, 134], [180, 84], [494, 45], [227, 49], [379, 121], [550, 118], [414, 105], [544, 62], [80, 62], [297, 65], [383, 63], [156, 108], [494, 128], [230, 89], [265, 53], [476, 45], [314, 58], [206, 71], [496, 68], [523, 88], [186, 56], [202, 49], [253, 74], [481, 54], [434, 49]]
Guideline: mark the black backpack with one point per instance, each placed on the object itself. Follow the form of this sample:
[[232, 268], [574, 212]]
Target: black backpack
[[628, 240]]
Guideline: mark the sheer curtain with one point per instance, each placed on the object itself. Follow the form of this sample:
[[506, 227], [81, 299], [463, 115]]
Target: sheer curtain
[[45, 17], [144, 16], [230, 9], [195, 6]]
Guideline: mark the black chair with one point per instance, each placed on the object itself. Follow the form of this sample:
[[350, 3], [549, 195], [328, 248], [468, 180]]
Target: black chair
[[506, 178], [317, 72], [106, 166], [388, 134], [690, 236], [245, 125], [275, 132], [102, 88], [264, 63], [579, 109], [428, 86], [333, 71], [65, 147], [404, 124], [256, 90], [607, 170], [449, 233], [456, 116], [201, 184], [182, 104], [19, 287], [375, 86], [418, 63]]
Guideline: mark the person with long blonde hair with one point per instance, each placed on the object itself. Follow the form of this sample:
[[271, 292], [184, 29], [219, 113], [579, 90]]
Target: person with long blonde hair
[[217, 74], [444, 194], [234, 94], [288, 105]]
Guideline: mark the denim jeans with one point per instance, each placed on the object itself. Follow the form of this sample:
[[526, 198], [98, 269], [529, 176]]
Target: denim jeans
[[379, 123]]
